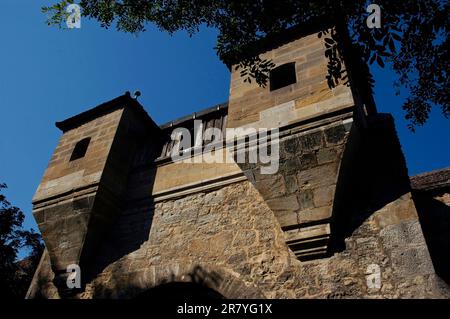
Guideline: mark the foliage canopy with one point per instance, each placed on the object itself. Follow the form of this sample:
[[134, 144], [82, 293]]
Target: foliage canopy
[[15, 276], [413, 36]]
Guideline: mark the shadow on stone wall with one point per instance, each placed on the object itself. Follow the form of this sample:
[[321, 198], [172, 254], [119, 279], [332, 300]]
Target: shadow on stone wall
[[434, 217], [197, 287], [176, 280], [132, 227], [180, 290], [373, 174]]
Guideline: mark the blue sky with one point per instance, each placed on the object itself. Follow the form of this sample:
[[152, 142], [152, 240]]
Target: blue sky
[[49, 74]]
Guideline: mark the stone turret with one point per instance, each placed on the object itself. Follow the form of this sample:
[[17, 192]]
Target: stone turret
[[82, 189], [315, 124]]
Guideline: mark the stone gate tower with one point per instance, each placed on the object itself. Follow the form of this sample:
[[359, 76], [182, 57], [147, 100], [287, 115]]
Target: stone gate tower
[[337, 209]]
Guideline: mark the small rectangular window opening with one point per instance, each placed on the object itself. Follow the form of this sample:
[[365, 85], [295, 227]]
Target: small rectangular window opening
[[80, 149], [282, 76]]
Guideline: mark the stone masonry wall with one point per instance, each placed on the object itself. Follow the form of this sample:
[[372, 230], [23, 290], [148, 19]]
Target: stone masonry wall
[[434, 213], [251, 105], [232, 234], [302, 192]]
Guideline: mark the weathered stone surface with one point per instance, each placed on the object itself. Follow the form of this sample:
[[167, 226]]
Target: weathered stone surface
[[431, 194], [337, 212], [326, 155], [323, 196], [314, 214], [284, 203], [306, 199], [291, 183], [335, 134], [268, 264], [303, 190], [291, 146], [322, 175], [276, 186], [256, 106], [312, 141], [307, 161]]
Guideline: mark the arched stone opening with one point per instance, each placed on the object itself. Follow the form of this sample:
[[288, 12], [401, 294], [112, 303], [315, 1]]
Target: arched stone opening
[[180, 290], [198, 279]]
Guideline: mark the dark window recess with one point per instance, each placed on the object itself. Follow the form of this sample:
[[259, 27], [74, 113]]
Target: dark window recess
[[282, 76], [80, 149]]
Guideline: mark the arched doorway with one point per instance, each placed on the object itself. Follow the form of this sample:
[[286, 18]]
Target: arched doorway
[[179, 281], [181, 290]]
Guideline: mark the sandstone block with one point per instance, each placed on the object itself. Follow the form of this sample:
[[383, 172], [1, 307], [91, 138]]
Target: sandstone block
[[284, 203], [306, 199], [324, 196], [335, 134]]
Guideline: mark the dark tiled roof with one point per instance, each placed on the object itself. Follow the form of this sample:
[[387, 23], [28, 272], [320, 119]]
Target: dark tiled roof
[[199, 114], [431, 180], [124, 100]]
